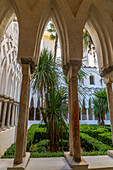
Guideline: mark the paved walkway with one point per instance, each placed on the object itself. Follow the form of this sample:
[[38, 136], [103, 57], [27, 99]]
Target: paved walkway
[[39, 164], [99, 162], [95, 162]]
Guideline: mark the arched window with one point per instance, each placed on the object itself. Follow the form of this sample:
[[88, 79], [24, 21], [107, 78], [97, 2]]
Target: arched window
[[91, 78]]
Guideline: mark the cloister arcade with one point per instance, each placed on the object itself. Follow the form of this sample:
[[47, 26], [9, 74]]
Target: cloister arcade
[[70, 17]]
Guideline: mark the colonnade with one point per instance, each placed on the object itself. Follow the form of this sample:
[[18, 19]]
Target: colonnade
[[9, 110], [10, 78]]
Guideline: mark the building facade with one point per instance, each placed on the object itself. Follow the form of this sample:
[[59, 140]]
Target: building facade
[[10, 86]]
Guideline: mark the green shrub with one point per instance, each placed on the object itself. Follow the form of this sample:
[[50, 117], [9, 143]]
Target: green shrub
[[10, 152], [92, 144], [105, 138], [46, 155], [44, 143], [94, 153], [31, 134], [41, 149]]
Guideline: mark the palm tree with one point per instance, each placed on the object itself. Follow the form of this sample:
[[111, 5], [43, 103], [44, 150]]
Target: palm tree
[[56, 115], [53, 36], [44, 77], [100, 105], [47, 80], [87, 41]]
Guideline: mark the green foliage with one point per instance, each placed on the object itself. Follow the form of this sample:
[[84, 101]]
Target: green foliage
[[44, 143], [92, 144], [52, 30], [10, 152], [100, 104], [35, 132], [87, 41], [95, 140], [46, 155], [46, 74]]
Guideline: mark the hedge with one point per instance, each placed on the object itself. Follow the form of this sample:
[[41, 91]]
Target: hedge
[[102, 134], [31, 134], [46, 155], [92, 144]]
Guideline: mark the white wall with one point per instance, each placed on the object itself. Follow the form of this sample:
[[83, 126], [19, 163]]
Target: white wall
[[7, 138]]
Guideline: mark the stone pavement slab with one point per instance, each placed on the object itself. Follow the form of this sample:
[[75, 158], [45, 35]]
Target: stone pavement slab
[[48, 164], [39, 164], [99, 162], [4, 163]]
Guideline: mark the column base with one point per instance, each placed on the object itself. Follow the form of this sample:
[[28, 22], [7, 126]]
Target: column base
[[83, 165], [110, 153], [21, 166]]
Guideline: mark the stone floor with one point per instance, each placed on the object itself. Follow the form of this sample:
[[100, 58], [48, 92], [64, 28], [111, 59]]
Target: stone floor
[[95, 163], [99, 162], [48, 164], [39, 164]]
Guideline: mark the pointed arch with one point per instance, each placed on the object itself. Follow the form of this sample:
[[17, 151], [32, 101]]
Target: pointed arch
[[100, 35], [53, 12]]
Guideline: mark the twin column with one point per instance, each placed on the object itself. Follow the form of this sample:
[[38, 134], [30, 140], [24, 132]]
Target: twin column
[[74, 130], [20, 149], [108, 83]]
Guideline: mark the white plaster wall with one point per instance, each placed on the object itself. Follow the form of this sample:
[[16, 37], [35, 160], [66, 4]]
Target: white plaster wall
[[7, 138], [97, 78]]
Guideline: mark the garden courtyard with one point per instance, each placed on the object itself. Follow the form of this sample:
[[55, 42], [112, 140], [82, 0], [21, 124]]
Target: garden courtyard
[[56, 68], [95, 142]]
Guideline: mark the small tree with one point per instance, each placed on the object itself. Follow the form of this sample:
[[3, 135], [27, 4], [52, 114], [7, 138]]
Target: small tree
[[47, 80], [100, 105]]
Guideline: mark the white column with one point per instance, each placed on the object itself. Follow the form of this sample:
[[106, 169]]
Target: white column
[[1, 102], [81, 115], [87, 113], [34, 113], [12, 115], [93, 116], [4, 113], [9, 114], [16, 107]]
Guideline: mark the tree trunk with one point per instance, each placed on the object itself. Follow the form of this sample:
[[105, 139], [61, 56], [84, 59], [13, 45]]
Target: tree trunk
[[55, 48], [102, 117], [54, 140]]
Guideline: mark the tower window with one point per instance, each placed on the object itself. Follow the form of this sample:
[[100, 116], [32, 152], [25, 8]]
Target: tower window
[[91, 79]]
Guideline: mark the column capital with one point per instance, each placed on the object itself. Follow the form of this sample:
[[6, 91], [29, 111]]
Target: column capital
[[1, 98], [72, 63], [30, 62], [108, 80], [11, 100], [72, 73], [6, 99]]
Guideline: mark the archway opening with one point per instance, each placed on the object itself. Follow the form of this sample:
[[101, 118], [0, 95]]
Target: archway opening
[[49, 89]]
